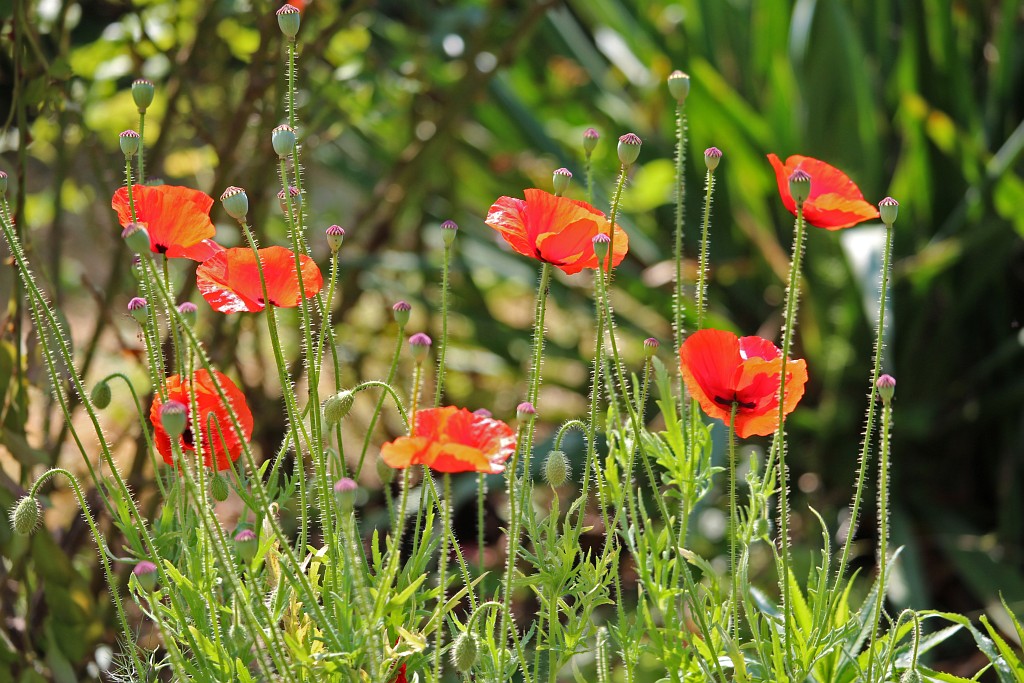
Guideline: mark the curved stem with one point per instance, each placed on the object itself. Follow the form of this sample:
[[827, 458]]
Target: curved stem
[[392, 370]]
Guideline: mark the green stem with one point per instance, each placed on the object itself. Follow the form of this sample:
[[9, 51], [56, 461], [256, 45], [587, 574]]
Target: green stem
[[679, 300], [883, 523], [481, 497], [392, 370], [128, 184], [442, 563], [612, 214], [734, 525], [443, 345], [142, 147], [702, 284]]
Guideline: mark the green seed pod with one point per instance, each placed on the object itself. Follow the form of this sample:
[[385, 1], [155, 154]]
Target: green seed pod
[[337, 407], [448, 231], [712, 155], [235, 202], [174, 418], [219, 488], [283, 139], [335, 237], [401, 310], [556, 469], [601, 243], [100, 395], [3, 183], [419, 344], [189, 312], [136, 237], [888, 208], [886, 388], [560, 181], [288, 19], [139, 309], [464, 652], [25, 516], [800, 186], [679, 85], [629, 148], [143, 92], [129, 140], [590, 138]]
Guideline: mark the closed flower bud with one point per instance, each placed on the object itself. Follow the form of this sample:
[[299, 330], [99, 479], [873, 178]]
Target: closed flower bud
[[136, 237], [145, 573], [25, 516], [886, 388], [911, 676], [525, 412], [419, 343], [139, 309], [345, 493], [3, 183], [283, 139], [100, 394], [296, 199], [189, 313], [173, 417], [448, 231], [761, 528], [246, 545], [800, 186], [560, 179], [219, 488], [888, 208], [335, 236], [590, 138], [142, 93], [601, 243], [337, 407], [629, 148], [556, 469], [464, 652], [651, 346], [235, 202], [712, 155], [401, 311], [288, 19], [384, 472], [679, 85], [129, 140]]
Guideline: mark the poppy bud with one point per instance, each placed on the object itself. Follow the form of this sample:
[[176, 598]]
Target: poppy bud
[[145, 574], [464, 652], [288, 19], [142, 93], [219, 488], [448, 231], [712, 155], [384, 472], [283, 139], [911, 676], [129, 140], [3, 183], [679, 85], [345, 493], [601, 242], [650, 346], [337, 407], [888, 208], [173, 416], [100, 394], [296, 198], [590, 138], [420, 345], [188, 312], [761, 528], [139, 309], [629, 148], [886, 388], [525, 412], [136, 237], [246, 544], [556, 469], [799, 186], [235, 202], [335, 236], [401, 310], [560, 180], [25, 516]]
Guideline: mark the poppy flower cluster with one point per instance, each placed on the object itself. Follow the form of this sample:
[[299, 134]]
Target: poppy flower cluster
[[555, 230], [452, 439], [721, 370], [221, 444], [834, 202]]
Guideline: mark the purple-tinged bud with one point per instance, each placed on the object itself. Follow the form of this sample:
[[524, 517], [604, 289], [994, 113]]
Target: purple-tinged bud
[[712, 155], [101, 394], [650, 346], [629, 148], [139, 309], [888, 208], [448, 231], [136, 237], [401, 311], [145, 574], [25, 516], [288, 19], [420, 345], [174, 417], [3, 183], [219, 488], [143, 92], [679, 85], [345, 490], [188, 312], [235, 202], [525, 412], [886, 388], [800, 185], [283, 140], [483, 412], [601, 243], [560, 180], [246, 545], [129, 140], [335, 237], [590, 138], [296, 198]]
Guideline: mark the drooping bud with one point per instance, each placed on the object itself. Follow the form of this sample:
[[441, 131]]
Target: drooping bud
[[246, 544], [345, 493], [129, 140], [651, 346], [679, 85], [219, 488], [590, 138], [911, 675], [235, 203], [337, 407], [525, 412], [601, 244], [283, 139], [401, 311], [419, 343], [629, 148], [448, 231], [136, 237], [384, 472], [145, 573], [888, 208], [288, 19], [100, 394], [173, 417], [886, 388], [189, 313], [560, 180], [556, 468], [335, 236], [139, 309], [464, 652], [143, 92], [296, 198], [25, 516], [800, 185], [712, 155]]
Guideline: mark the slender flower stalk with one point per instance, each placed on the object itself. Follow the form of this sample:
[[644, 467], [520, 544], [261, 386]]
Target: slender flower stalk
[[590, 138], [448, 232], [886, 387], [401, 312], [442, 568], [679, 88], [712, 156], [734, 526]]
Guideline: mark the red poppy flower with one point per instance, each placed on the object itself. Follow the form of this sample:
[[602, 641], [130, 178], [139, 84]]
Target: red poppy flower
[[835, 201], [230, 280], [720, 369], [453, 439], [400, 678], [177, 219], [554, 230], [216, 448]]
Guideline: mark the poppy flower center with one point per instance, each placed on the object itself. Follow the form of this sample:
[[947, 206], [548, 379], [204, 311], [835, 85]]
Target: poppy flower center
[[187, 438], [746, 405]]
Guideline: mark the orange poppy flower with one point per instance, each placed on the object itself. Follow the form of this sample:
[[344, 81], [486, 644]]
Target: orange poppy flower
[[176, 218], [554, 230], [453, 439], [835, 201], [216, 448], [720, 369], [230, 280]]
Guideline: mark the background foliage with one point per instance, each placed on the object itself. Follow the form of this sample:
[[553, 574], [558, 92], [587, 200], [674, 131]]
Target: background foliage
[[418, 112]]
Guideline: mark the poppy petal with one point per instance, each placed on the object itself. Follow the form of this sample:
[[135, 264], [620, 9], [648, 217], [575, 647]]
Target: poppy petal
[[709, 359], [175, 217], [451, 439], [835, 201], [230, 280]]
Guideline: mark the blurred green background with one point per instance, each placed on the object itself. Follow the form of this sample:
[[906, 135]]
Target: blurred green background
[[417, 112]]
